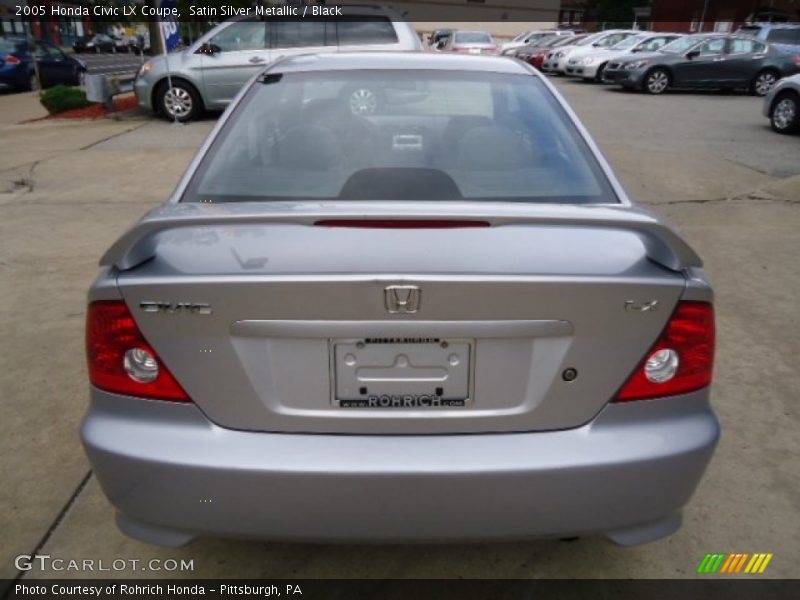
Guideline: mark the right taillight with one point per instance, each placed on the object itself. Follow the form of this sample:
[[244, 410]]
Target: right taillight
[[12, 60], [120, 359], [682, 359]]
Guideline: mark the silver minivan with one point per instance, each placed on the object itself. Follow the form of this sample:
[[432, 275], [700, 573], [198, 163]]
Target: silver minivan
[[209, 73]]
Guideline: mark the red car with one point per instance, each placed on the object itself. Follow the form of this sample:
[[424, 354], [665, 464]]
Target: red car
[[535, 55]]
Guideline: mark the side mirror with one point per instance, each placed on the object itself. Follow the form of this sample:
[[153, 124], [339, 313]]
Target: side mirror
[[209, 48], [693, 54]]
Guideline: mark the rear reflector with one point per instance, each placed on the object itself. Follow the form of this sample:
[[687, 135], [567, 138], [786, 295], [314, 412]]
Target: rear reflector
[[682, 359], [120, 359], [400, 223]]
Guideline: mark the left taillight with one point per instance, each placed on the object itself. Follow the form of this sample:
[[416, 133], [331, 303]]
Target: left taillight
[[119, 358], [681, 361]]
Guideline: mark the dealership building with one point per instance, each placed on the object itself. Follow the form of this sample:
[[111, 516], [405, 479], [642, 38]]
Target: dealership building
[[62, 30]]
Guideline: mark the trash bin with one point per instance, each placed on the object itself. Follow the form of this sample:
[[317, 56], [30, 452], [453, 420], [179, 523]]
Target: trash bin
[[98, 89]]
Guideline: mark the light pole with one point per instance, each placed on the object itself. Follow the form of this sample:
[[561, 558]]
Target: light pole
[[703, 16]]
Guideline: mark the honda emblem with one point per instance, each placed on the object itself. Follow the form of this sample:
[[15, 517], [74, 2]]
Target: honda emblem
[[402, 299]]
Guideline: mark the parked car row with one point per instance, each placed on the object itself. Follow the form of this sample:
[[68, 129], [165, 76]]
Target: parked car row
[[17, 56], [705, 61], [656, 62], [208, 74]]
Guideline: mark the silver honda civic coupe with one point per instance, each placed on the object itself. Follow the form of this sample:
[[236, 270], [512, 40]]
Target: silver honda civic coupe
[[439, 319]]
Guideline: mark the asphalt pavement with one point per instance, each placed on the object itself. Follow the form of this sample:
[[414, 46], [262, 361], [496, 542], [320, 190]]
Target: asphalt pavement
[[707, 162]]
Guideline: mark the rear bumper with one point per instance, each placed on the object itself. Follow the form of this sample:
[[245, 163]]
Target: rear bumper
[[172, 475]]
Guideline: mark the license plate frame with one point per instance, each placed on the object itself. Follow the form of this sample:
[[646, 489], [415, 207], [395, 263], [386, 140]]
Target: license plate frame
[[401, 373]]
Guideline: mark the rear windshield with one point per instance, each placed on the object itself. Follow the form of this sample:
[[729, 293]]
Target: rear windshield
[[784, 36], [399, 135], [366, 30], [472, 37]]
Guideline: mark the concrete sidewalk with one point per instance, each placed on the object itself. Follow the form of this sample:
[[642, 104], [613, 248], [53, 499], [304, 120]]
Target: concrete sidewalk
[[19, 107], [86, 182], [66, 191]]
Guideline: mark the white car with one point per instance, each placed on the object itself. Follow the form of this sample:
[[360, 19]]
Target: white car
[[599, 40], [553, 57], [531, 37], [590, 62]]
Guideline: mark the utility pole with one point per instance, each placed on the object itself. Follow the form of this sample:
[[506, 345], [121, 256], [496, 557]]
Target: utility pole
[[31, 41], [703, 16]]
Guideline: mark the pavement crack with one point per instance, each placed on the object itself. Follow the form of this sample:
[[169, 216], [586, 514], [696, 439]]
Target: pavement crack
[[54, 525], [743, 198], [746, 166], [112, 136], [689, 201]]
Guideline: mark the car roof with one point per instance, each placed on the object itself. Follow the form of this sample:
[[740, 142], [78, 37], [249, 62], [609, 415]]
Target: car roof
[[772, 25], [344, 61]]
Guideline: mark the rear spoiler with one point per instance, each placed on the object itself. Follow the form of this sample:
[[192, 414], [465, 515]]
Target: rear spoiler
[[139, 243]]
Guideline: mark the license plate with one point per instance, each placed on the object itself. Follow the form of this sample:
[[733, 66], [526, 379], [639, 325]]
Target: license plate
[[410, 373], [474, 50]]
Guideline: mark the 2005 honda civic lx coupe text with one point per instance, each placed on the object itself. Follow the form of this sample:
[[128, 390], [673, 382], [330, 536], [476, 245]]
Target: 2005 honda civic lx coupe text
[[438, 317]]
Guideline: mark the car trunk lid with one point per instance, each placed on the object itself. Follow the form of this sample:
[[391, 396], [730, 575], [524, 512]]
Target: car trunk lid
[[274, 323]]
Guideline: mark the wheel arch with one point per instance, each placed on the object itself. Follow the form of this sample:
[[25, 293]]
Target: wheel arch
[[660, 67]]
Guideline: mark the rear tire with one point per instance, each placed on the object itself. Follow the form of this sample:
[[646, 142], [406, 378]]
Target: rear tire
[[182, 102], [657, 81], [763, 82], [784, 114]]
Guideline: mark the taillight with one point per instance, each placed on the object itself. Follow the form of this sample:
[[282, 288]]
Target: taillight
[[797, 59], [682, 359], [12, 60], [120, 359]]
